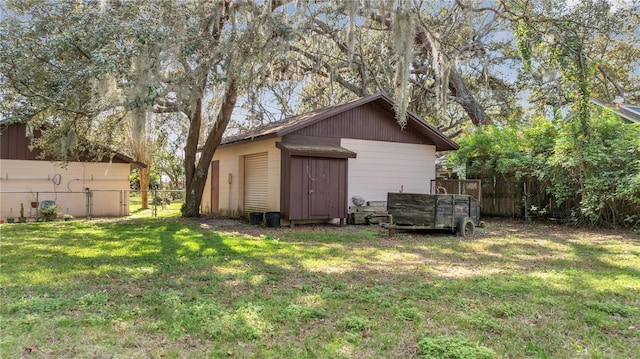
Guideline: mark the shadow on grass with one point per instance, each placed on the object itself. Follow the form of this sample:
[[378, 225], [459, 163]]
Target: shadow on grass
[[359, 283], [109, 249]]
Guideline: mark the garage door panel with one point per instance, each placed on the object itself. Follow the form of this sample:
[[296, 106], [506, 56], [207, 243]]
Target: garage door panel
[[256, 182]]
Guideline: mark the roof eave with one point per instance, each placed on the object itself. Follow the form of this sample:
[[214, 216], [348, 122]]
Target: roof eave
[[442, 142], [134, 163], [250, 139], [316, 151]]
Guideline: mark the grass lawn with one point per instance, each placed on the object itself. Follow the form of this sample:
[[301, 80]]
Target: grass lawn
[[172, 288]]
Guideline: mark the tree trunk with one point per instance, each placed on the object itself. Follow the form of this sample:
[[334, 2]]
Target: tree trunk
[[141, 147], [191, 207], [144, 176], [458, 88], [196, 175], [463, 96]]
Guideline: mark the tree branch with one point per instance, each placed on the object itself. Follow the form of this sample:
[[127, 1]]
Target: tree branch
[[338, 78], [604, 73]]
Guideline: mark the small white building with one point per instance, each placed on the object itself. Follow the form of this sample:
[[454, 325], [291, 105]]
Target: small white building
[[308, 167], [98, 188]]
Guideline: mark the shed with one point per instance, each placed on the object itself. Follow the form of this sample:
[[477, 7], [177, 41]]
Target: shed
[[79, 188], [308, 167]]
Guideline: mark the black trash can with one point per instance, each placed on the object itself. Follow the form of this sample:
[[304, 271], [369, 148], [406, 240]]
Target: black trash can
[[256, 217], [272, 219]]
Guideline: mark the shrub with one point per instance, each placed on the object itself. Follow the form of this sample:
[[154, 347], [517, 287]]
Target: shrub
[[591, 171], [49, 214]]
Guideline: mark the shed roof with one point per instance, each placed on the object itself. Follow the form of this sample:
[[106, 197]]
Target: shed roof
[[631, 113], [291, 124], [317, 150]]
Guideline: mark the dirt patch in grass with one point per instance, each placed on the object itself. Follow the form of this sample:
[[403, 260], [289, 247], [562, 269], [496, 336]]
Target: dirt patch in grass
[[528, 246], [495, 227]]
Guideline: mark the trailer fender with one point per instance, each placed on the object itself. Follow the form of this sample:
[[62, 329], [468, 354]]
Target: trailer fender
[[465, 227]]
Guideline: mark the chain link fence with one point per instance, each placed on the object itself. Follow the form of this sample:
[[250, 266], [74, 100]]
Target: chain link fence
[[29, 206], [160, 202]]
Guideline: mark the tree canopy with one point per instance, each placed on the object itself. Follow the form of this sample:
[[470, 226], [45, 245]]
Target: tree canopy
[[88, 71]]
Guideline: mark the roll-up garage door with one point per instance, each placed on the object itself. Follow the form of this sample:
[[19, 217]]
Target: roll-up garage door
[[255, 183]]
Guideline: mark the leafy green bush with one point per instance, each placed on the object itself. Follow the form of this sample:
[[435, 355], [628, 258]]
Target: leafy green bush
[[591, 171], [49, 213], [491, 148], [598, 175]]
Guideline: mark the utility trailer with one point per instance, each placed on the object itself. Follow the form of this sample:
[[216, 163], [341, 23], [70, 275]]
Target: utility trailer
[[455, 212]]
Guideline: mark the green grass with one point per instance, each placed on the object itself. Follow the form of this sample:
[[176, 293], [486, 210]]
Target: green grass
[[172, 288], [155, 210]]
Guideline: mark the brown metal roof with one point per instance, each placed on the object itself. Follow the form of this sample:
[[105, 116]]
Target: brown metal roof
[[292, 124]]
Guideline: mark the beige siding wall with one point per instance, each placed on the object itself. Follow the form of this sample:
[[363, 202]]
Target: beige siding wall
[[232, 162], [382, 167], [25, 178]]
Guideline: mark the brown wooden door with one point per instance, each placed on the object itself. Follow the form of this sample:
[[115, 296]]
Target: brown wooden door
[[318, 188], [215, 186], [322, 196]]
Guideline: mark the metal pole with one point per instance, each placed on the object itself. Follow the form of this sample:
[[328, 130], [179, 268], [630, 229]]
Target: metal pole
[[155, 203], [86, 210]]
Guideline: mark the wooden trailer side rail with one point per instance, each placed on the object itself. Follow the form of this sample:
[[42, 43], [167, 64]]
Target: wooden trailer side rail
[[458, 213]]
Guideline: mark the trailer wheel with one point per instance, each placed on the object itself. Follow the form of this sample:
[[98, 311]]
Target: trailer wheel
[[465, 227]]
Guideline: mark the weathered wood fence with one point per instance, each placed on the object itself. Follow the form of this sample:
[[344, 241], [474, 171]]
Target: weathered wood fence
[[470, 187], [501, 196]]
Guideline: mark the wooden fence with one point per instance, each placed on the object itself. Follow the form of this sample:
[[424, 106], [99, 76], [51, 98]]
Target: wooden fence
[[501, 196], [470, 187]]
